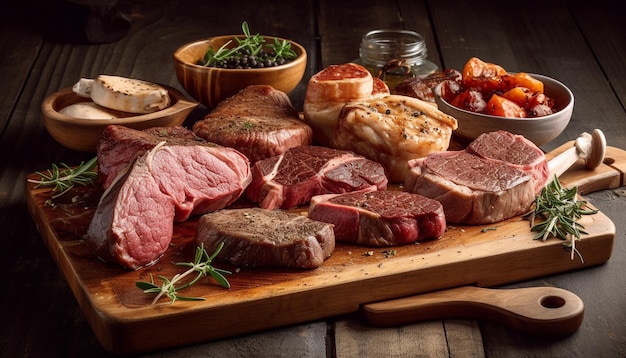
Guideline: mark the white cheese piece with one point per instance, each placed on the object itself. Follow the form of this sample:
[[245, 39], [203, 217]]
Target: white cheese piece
[[124, 94]]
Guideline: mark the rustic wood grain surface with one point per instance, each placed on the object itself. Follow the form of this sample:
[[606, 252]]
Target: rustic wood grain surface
[[580, 43]]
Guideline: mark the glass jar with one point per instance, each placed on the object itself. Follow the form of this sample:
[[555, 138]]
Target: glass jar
[[394, 55]]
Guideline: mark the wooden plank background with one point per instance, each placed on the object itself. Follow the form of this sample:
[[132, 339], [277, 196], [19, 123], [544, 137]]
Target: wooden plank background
[[583, 44]]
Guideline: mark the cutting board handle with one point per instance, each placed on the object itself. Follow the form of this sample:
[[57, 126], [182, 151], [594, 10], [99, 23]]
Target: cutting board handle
[[545, 311]]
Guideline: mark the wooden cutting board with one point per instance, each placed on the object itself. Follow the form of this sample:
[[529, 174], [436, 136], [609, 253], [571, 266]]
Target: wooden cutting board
[[125, 322]]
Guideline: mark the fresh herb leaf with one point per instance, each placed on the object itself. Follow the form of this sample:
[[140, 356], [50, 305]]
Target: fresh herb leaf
[[200, 265], [559, 211], [282, 48], [249, 52], [63, 177]]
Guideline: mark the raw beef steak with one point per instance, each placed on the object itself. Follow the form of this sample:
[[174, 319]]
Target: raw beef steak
[[380, 218], [259, 121], [258, 237], [516, 151], [120, 145], [496, 178], [134, 221], [291, 179]]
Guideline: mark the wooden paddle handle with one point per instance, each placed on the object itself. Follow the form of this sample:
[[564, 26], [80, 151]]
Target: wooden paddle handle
[[546, 311]]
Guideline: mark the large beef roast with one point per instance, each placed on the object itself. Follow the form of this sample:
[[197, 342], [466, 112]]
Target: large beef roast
[[291, 179], [259, 121], [380, 218], [258, 237], [134, 221], [120, 145], [496, 178]]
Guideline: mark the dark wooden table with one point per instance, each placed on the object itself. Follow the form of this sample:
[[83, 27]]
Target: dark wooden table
[[583, 44]]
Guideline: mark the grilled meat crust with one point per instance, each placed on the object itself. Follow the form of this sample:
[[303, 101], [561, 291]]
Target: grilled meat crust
[[259, 121]]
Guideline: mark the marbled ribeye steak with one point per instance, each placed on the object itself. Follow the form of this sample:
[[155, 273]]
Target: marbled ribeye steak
[[380, 218], [291, 179], [134, 220]]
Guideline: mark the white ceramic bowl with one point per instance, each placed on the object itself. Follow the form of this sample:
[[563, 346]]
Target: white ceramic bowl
[[540, 130]]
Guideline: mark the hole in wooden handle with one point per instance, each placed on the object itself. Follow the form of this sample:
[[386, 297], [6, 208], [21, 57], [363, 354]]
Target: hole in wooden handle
[[552, 301]]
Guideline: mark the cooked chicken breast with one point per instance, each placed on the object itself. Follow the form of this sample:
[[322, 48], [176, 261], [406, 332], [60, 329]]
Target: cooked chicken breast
[[393, 130]]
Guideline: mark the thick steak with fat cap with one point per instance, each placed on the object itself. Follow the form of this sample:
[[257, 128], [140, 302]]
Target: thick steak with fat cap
[[134, 221], [120, 145], [495, 179]]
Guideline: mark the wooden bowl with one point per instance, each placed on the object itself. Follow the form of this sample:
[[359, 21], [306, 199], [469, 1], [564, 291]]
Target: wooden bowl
[[210, 85], [84, 134], [539, 130]]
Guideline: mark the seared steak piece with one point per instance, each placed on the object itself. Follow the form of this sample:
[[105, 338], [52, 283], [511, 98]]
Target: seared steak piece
[[481, 185], [380, 218], [515, 150], [424, 87], [134, 221], [259, 121], [257, 237], [291, 179], [120, 145]]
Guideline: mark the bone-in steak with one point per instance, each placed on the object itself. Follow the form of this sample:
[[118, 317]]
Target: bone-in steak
[[291, 179], [120, 145], [257, 237], [481, 185], [380, 218], [134, 221], [259, 121]]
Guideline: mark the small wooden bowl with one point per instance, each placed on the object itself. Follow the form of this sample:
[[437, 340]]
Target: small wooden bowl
[[210, 85], [84, 134]]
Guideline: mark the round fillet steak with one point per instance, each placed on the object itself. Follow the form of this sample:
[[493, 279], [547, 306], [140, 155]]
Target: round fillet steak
[[258, 237], [330, 89]]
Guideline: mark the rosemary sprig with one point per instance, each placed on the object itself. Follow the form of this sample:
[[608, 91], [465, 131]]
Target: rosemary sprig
[[254, 43], [63, 177], [560, 210], [282, 49], [250, 45], [201, 265]]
